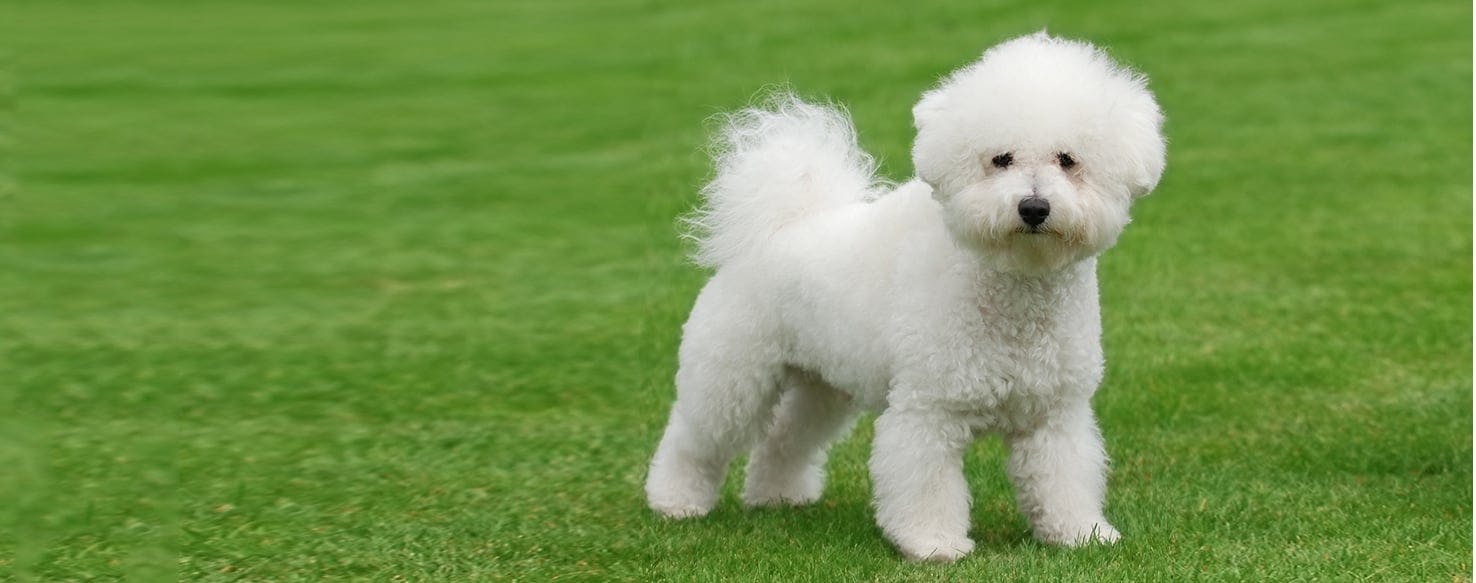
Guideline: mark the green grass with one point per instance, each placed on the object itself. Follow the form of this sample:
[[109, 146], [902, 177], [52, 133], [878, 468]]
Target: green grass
[[301, 291]]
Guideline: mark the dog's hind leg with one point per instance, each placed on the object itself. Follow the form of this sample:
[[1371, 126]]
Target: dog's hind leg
[[727, 383], [718, 413], [788, 466]]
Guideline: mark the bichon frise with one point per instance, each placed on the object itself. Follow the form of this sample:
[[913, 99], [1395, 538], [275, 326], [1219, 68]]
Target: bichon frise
[[961, 302]]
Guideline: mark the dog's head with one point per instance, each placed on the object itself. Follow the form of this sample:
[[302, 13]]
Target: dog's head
[[1037, 150]]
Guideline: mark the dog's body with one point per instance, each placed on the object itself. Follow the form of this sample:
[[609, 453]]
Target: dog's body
[[961, 302]]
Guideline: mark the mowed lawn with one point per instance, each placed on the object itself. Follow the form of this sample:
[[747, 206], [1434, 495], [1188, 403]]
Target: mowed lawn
[[304, 291]]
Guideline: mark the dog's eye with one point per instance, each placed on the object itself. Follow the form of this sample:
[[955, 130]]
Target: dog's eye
[[1003, 160], [1065, 160]]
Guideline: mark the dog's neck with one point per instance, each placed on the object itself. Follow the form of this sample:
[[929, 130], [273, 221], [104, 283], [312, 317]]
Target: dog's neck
[[1009, 292]]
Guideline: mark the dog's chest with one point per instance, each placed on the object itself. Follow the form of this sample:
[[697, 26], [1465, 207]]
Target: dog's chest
[[1024, 360], [1026, 357]]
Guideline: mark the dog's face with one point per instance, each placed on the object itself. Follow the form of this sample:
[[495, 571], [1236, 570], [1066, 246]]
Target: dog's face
[[1037, 151]]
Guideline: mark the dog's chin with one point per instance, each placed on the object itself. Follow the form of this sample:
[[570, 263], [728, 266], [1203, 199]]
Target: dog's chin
[[1031, 250]]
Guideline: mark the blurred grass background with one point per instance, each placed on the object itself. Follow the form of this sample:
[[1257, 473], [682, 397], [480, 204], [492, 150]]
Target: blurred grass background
[[386, 290]]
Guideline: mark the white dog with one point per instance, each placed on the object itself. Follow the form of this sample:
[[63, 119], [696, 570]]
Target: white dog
[[961, 302]]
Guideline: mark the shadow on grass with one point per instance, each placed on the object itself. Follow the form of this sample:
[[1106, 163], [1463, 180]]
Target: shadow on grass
[[845, 527]]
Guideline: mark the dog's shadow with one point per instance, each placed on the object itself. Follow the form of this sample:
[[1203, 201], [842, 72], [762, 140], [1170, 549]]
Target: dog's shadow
[[845, 518], [845, 526], [844, 521]]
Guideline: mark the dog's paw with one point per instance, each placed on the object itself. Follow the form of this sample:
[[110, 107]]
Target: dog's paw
[[760, 493], [1091, 533], [679, 500], [675, 491], [937, 548], [676, 510], [778, 499]]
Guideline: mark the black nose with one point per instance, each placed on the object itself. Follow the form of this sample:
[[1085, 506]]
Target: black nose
[[1034, 211]]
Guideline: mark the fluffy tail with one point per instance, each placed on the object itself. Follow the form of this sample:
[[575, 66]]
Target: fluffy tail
[[776, 163]]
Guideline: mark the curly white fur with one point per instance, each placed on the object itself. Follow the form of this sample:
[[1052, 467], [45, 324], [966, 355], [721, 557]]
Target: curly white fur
[[934, 303], [775, 165]]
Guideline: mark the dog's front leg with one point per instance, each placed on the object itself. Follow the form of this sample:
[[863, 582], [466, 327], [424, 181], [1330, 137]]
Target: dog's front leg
[[922, 500], [1059, 471]]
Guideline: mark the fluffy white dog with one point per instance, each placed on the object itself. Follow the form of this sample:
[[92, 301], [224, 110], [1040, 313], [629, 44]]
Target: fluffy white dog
[[961, 302]]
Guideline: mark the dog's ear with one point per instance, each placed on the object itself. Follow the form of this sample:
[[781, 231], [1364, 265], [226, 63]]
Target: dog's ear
[[927, 109], [1146, 147], [1149, 168]]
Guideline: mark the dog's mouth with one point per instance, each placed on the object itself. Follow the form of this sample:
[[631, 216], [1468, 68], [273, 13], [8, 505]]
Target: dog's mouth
[[1035, 230], [1043, 233]]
